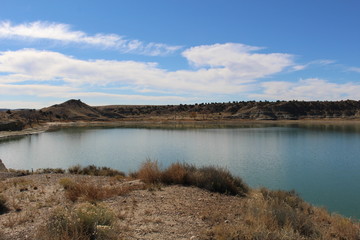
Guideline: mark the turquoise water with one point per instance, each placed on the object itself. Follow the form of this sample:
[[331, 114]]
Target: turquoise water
[[322, 163]]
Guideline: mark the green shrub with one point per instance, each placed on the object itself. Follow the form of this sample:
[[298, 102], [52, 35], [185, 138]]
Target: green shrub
[[86, 221], [3, 205]]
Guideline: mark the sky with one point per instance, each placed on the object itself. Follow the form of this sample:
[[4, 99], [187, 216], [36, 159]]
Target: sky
[[163, 52]]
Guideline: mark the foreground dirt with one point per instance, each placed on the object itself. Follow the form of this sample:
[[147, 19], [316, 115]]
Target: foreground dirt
[[173, 212], [158, 212]]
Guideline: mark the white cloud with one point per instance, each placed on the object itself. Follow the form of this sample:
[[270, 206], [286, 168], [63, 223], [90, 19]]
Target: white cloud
[[321, 62], [30, 65], [22, 104], [239, 59], [34, 90], [220, 70], [63, 33], [308, 89], [355, 69]]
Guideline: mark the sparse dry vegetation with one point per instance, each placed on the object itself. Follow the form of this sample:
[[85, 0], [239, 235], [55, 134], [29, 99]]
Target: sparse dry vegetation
[[84, 222], [75, 206], [95, 171], [214, 179], [92, 192], [3, 205], [281, 215]]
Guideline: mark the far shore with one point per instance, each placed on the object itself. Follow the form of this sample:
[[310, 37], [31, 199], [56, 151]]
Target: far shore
[[165, 123]]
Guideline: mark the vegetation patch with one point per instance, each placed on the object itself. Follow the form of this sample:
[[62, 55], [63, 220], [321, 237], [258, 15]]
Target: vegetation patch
[[95, 171], [214, 179], [3, 206], [84, 222], [92, 192]]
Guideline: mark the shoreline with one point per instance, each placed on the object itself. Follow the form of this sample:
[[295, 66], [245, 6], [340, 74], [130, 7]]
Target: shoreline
[[159, 123]]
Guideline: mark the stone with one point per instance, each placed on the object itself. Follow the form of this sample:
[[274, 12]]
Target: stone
[[2, 167]]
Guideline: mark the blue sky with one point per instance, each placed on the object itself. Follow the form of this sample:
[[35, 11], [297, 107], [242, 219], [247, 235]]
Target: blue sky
[[172, 51]]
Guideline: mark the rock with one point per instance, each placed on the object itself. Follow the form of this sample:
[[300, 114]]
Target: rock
[[2, 167]]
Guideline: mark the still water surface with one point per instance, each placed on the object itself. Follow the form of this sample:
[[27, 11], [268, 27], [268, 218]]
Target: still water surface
[[322, 163]]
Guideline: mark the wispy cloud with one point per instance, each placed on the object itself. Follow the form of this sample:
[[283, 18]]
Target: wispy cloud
[[308, 89], [240, 58], [63, 33], [320, 62], [354, 69]]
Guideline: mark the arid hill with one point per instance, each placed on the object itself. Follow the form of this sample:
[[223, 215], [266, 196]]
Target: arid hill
[[76, 110], [251, 110], [72, 110]]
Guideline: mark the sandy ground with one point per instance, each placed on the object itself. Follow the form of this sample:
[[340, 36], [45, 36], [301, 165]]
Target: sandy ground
[[171, 212]]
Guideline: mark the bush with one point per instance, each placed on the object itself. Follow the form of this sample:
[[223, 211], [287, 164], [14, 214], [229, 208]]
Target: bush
[[287, 208], [149, 172], [216, 179], [3, 205], [49, 170], [95, 171], [86, 221], [176, 173]]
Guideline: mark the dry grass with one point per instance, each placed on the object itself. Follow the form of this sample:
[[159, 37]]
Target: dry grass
[[92, 192], [95, 171], [177, 173], [50, 170], [259, 214], [214, 179], [83, 222], [280, 215], [149, 172]]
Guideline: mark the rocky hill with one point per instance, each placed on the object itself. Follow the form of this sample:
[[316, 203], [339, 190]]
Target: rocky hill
[[250, 110], [72, 110], [76, 110]]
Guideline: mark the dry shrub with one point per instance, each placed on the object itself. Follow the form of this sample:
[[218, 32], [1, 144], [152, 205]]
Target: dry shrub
[[50, 171], [345, 228], [95, 171], [216, 179], [286, 208], [91, 192], [3, 205], [176, 173], [83, 222], [149, 172]]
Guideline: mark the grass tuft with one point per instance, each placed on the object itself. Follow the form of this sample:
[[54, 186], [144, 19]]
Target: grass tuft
[[85, 222], [214, 179], [84, 191], [95, 171], [149, 172]]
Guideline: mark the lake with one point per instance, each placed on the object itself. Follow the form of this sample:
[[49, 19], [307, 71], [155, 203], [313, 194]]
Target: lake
[[320, 162]]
